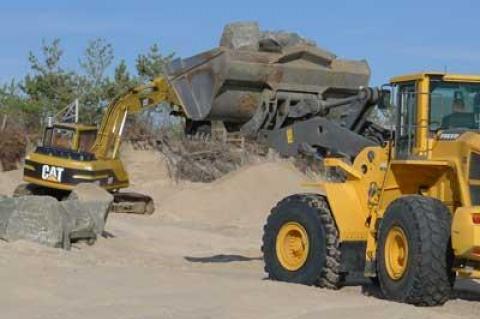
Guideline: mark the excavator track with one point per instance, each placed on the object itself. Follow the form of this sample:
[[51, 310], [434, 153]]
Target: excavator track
[[133, 203]]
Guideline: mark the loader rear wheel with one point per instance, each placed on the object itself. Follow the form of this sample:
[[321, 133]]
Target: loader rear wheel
[[414, 259], [301, 244]]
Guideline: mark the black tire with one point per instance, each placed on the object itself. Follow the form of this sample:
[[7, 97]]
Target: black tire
[[322, 266], [198, 128], [428, 278]]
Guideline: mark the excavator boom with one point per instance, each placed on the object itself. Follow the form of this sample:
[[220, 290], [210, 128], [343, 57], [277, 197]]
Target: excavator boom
[[135, 100]]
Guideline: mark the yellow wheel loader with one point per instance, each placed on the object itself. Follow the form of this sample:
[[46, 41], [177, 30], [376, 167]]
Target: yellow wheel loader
[[76, 153], [404, 209], [405, 213]]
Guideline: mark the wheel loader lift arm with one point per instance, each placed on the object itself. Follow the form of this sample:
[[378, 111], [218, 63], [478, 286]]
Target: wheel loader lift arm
[[108, 139], [313, 133]]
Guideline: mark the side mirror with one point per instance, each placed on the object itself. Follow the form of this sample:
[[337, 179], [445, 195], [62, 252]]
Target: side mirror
[[384, 102]]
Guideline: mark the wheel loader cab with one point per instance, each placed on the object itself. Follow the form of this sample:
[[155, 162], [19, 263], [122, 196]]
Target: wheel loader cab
[[428, 104]]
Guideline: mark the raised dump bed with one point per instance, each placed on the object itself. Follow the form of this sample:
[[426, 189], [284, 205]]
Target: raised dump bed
[[230, 85]]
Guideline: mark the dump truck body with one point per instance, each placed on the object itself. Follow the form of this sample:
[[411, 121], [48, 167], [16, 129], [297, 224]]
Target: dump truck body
[[229, 85]]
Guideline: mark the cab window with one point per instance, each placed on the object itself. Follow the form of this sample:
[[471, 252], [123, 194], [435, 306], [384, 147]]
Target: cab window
[[59, 137], [454, 105], [86, 140]]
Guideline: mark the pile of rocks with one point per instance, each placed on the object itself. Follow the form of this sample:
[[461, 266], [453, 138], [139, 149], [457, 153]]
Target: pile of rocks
[[45, 220], [248, 36]]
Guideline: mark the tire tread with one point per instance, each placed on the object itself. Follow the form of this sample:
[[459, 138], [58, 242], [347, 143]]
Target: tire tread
[[432, 283], [330, 276]]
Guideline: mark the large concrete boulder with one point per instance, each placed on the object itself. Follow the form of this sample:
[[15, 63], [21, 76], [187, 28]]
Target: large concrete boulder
[[287, 39], [90, 200], [34, 218], [47, 221], [241, 36], [248, 36]]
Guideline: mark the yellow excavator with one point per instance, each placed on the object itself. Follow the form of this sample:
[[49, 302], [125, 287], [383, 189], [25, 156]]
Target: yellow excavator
[[74, 153], [405, 213]]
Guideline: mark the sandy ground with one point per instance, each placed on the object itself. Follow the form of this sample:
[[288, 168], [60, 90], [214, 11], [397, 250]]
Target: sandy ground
[[197, 257]]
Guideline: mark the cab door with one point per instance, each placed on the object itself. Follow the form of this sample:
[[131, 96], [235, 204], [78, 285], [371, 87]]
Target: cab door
[[405, 136]]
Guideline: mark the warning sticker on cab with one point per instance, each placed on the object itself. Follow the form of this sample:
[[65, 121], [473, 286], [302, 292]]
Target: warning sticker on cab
[[290, 137]]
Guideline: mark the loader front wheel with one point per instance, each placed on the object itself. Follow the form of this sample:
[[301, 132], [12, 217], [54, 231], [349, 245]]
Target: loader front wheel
[[301, 244], [414, 252]]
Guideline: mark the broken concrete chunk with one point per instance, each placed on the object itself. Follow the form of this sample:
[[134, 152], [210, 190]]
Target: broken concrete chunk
[[7, 207], [241, 36], [47, 221], [90, 192], [86, 218], [35, 218], [248, 36], [287, 39], [93, 200], [80, 221]]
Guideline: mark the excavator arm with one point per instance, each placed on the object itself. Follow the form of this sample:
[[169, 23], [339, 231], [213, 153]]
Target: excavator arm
[[109, 136]]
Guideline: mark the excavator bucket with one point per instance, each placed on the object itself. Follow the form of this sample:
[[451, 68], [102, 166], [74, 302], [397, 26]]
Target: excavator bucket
[[229, 85]]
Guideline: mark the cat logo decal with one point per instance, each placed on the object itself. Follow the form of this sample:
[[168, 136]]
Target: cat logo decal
[[52, 173]]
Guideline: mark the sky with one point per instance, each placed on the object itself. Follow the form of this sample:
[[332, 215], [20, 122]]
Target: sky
[[395, 37]]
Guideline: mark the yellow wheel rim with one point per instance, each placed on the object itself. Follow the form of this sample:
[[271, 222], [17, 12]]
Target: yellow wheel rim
[[396, 253], [292, 246]]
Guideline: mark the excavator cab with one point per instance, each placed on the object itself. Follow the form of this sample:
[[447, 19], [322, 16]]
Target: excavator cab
[[74, 137]]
